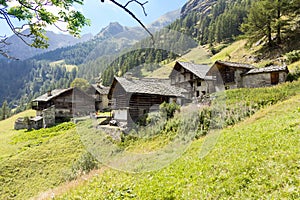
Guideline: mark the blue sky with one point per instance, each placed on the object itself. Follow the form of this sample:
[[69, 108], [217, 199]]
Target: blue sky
[[101, 14]]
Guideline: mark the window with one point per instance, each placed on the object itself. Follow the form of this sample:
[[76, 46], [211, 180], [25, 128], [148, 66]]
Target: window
[[199, 83]]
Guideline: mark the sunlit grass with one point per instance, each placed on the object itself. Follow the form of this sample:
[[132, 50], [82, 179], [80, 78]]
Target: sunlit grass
[[34, 161], [258, 158], [293, 66]]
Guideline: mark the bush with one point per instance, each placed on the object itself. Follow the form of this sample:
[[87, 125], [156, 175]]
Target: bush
[[83, 165], [294, 75], [215, 50], [168, 109], [153, 118], [293, 56]]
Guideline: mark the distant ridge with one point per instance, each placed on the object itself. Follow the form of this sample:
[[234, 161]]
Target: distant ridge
[[20, 50]]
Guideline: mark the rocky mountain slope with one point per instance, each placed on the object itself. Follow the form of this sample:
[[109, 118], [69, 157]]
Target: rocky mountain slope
[[203, 6]]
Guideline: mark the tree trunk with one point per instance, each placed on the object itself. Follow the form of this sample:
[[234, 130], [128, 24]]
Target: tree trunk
[[269, 33], [279, 23]]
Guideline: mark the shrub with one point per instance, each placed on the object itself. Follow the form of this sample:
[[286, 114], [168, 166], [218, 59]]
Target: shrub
[[293, 56], [294, 75], [83, 165], [168, 109]]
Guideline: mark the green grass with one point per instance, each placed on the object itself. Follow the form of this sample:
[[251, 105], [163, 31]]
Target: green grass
[[256, 159], [196, 55], [35, 161], [293, 66], [7, 133], [236, 50], [62, 63]]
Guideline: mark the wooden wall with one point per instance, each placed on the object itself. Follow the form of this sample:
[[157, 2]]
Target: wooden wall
[[140, 104]]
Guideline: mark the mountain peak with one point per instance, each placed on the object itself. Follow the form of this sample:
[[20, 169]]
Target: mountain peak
[[112, 29]]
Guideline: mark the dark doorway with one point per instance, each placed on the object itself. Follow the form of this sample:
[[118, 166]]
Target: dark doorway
[[274, 78]]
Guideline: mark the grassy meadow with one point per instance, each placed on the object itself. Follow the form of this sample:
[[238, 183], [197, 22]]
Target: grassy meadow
[[255, 159], [35, 161]]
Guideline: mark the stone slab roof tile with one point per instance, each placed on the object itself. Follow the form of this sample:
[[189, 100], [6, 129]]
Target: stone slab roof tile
[[101, 89], [235, 64], [196, 69], [150, 86], [267, 70], [54, 93]]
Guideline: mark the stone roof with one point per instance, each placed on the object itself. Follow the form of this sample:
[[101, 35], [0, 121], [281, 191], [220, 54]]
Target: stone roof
[[54, 93], [150, 86], [198, 70], [36, 118], [234, 64], [101, 89], [267, 70]]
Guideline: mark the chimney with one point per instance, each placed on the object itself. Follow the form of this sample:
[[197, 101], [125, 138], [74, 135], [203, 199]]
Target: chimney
[[49, 93], [128, 75]]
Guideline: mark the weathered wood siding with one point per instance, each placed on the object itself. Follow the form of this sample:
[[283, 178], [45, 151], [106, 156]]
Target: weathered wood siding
[[226, 77], [120, 99], [82, 104], [140, 104]]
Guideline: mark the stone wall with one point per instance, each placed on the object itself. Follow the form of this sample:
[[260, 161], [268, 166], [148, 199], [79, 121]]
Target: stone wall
[[261, 79], [29, 123], [22, 123], [49, 117], [238, 78], [104, 102]]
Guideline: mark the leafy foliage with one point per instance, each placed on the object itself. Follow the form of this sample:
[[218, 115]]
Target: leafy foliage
[[293, 56], [80, 83], [295, 75], [83, 165], [168, 109], [37, 16]]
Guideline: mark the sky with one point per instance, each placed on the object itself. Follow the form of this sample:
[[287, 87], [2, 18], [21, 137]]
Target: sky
[[101, 14]]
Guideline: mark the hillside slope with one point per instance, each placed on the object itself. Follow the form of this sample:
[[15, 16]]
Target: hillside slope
[[258, 158], [33, 161]]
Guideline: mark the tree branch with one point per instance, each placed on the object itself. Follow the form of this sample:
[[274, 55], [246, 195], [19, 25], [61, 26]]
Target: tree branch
[[124, 7], [141, 4]]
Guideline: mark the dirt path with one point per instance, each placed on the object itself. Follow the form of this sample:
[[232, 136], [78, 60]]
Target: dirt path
[[67, 186]]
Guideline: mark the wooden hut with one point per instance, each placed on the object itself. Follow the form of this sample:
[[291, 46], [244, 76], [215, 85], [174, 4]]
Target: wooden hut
[[132, 98], [63, 104]]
